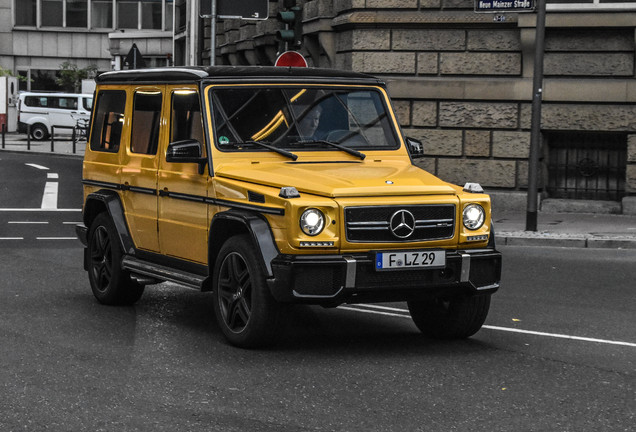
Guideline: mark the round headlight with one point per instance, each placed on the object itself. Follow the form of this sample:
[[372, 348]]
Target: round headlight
[[312, 221], [474, 216]]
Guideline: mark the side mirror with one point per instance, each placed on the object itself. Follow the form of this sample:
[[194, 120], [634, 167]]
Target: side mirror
[[186, 151], [415, 147]]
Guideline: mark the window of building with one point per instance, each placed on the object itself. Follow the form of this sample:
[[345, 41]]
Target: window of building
[[576, 5], [77, 13], [186, 122], [26, 12], [168, 14], [587, 165], [144, 137], [180, 15], [108, 121], [102, 13], [52, 13], [151, 14], [127, 14]]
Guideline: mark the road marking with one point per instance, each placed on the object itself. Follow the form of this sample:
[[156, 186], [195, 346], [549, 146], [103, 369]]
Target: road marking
[[38, 210], [405, 314], [56, 238], [561, 336], [72, 223], [27, 222], [40, 167], [11, 238], [53, 176], [49, 199]]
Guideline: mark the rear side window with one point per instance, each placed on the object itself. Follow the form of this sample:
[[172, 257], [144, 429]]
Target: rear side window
[[36, 101], [69, 103], [186, 122], [144, 138], [108, 121]]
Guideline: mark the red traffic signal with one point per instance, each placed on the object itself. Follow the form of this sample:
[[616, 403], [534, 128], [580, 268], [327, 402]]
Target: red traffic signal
[[291, 59]]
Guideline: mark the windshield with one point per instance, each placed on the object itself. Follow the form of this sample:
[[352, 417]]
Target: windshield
[[300, 118]]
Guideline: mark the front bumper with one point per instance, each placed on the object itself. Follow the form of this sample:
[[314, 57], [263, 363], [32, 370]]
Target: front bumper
[[336, 279]]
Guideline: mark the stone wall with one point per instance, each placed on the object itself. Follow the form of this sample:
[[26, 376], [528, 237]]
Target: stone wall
[[462, 83]]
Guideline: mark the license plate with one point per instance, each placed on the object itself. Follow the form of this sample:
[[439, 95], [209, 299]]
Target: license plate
[[409, 260]]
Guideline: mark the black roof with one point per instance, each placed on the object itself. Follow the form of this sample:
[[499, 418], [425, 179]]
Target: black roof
[[232, 73]]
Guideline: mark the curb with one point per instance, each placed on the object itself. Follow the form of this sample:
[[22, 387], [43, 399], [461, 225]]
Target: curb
[[564, 240]]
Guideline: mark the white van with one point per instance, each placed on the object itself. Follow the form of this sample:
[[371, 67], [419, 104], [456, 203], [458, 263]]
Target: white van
[[43, 110]]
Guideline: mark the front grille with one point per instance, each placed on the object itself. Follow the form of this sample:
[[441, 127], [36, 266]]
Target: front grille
[[373, 223]]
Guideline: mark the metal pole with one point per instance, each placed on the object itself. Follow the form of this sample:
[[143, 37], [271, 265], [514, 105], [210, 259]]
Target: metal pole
[[213, 33], [28, 137], [535, 134], [52, 139], [4, 130]]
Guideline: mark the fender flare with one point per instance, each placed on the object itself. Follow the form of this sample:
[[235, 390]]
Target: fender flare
[[252, 223], [109, 200]]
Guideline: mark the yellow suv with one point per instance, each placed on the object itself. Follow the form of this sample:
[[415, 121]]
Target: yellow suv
[[270, 185]]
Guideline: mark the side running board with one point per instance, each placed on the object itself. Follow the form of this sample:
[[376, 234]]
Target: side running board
[[146, 272]]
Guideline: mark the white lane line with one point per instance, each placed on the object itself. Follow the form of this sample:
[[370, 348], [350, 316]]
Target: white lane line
[[49, 199], [561, 336], [40, 167], [405, 314], [56, 238], [72, 223], [11, 238], [373, 312], [52, 176], [28, 222], [38, 210]]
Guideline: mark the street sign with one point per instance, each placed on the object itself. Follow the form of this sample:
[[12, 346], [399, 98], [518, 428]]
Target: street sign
[[134, 59], [497, 6], [232, 9]]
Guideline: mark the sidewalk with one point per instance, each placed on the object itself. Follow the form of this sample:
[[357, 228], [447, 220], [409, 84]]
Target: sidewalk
[[567, 230], [62, 145], [581, 230]]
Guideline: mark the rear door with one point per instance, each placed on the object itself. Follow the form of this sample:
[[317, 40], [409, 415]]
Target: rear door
[[140, 164], [183, 210]]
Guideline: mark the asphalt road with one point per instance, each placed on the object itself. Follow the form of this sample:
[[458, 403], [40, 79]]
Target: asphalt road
[[68, 363]]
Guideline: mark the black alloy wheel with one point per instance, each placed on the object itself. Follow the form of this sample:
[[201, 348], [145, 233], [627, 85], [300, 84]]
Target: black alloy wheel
[[245, 309], [101, 259], [110, 283], [235, 292]]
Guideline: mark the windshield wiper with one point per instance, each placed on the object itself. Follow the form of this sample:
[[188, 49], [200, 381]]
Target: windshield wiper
[[338, 146], [285, 153]]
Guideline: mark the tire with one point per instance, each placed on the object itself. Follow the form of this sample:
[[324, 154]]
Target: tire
[[453, 318], [245, 310], [110, 283], [39, 132]]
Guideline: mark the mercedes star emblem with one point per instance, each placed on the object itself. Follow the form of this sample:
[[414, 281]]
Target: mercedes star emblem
[[402, 224]]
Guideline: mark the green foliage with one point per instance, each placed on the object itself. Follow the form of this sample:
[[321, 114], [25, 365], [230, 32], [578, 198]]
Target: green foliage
[[6, 72], [70, 77]]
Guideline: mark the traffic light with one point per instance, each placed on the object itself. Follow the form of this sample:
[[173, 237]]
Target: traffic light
[[292, 35]]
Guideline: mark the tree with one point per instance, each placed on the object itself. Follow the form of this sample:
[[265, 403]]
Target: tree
[[70, 77]]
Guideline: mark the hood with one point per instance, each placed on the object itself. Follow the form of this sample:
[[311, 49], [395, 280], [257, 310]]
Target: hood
[[335, 179]]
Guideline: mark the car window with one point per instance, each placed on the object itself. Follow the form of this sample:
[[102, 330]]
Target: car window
[[146, 118], [69, 103], [36, 101], [186, 122], [299, 118], [108, 121], [87, 103]]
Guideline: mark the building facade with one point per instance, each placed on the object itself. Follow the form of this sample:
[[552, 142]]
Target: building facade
[[37, 36], [462, 83]]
